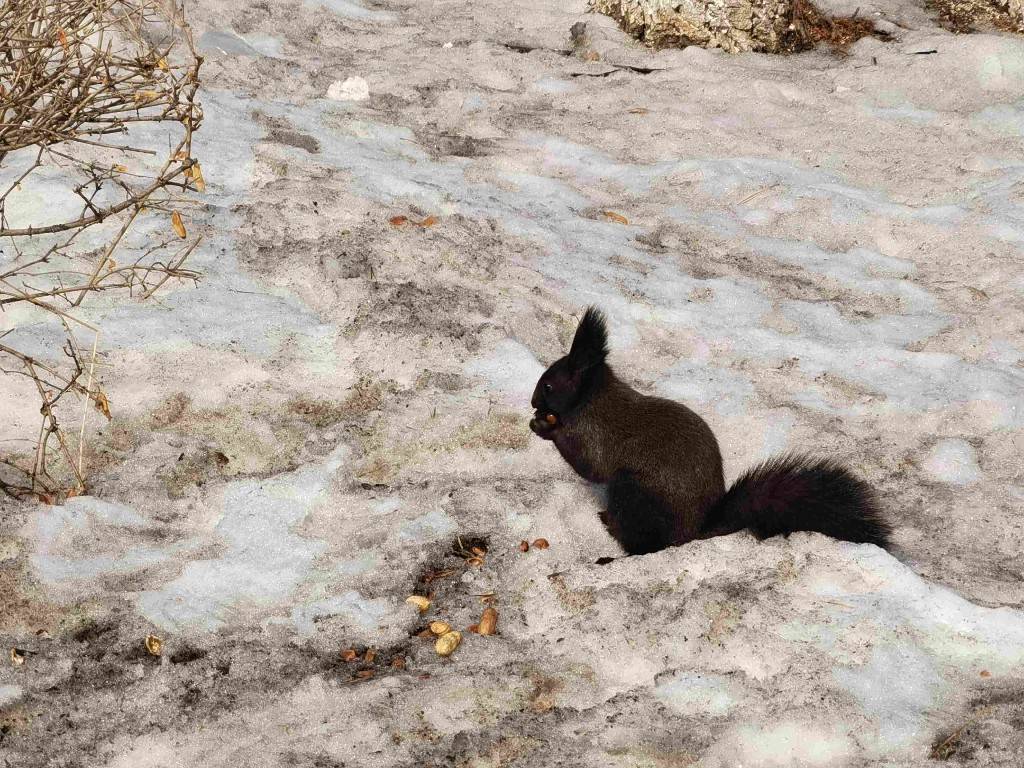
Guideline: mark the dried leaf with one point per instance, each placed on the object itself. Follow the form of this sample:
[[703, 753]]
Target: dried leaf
[[447, 643], [197, 176], [179, 228], [398, 662], [371, 654], [63, 39], [154, 645], [72, 493], [977, 294], [102, 403], [478, 551], [524, 546], [440, 627], [618, 218], [17, 657], [144, 97], [541, 544], [476, 562], [349, 654], [163, 65], [428, 222], [419, 601], [121, 168], [488, 622], [397, 221]]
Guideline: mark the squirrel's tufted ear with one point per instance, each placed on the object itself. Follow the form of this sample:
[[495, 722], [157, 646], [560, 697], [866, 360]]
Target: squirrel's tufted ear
[[590, 345]]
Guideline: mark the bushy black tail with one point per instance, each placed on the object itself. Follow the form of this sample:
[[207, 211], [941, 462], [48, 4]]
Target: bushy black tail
[[797, 493]]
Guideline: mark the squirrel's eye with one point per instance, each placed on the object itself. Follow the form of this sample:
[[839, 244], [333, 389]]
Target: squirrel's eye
[[547, 387]]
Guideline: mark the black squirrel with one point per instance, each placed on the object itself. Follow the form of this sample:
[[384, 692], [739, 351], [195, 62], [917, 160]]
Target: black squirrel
[[664, 470]]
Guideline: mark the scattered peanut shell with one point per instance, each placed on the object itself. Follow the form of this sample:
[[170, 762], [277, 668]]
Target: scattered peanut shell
[[447, 643], [488, 622], [154, 645], [371, 654], [541, 544], [349, 654], [419, 601], [440, 627], [524, 546]]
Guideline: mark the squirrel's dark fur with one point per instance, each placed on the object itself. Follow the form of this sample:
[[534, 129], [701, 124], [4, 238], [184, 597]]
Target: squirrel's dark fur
[[664, 470]]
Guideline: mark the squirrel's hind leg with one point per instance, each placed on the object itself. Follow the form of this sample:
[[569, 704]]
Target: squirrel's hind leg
[[639, 519]]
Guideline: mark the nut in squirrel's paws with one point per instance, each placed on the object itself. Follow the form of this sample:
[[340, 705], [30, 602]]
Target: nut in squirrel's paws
[[543, 423]]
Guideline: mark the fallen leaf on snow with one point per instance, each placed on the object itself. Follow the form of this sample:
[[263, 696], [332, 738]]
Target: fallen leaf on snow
[[618, 218]]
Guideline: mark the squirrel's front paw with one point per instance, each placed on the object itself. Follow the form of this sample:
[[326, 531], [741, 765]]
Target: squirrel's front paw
[[544, 424]]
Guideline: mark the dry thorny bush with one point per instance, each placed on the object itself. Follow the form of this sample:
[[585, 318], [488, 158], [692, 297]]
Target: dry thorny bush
[[97, 112]]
